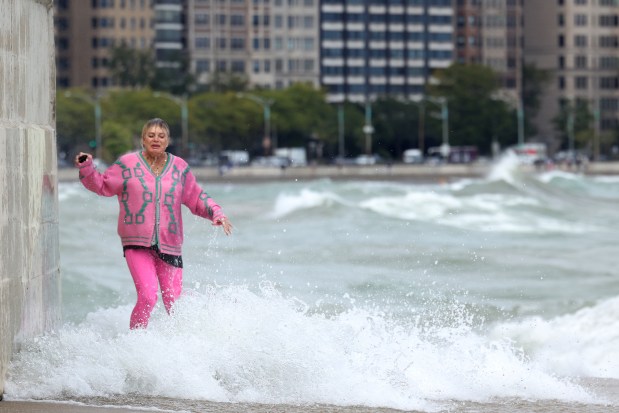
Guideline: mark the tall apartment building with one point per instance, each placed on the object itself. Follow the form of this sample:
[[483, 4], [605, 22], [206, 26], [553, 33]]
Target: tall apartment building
[[577, 41], [85, 31], [371, 48], [273, 42], [490, 32], [169, 32]]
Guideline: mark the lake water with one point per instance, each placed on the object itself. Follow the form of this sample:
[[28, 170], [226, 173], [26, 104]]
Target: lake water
[[498, 294]]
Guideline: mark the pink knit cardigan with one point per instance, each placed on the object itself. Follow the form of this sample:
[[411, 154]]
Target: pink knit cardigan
[[150, 205]]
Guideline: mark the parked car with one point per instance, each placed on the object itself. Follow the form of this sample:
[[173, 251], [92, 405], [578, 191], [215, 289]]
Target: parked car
[[412, 156], [367, 159], [277, 161]]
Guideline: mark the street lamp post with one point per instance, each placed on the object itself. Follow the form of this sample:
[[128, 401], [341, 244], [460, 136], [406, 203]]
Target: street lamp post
[[368, 129], [445, 118], [340, 129], [266, 110], [95, 102], [182, 102]]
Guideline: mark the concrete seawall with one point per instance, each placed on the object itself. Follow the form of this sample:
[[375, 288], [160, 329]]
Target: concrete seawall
[[29, 256]]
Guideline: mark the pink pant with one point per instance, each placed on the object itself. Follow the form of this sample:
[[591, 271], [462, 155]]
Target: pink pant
[[149, 272]]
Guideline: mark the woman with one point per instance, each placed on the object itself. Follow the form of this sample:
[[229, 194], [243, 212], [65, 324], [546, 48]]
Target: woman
[[151, 185]]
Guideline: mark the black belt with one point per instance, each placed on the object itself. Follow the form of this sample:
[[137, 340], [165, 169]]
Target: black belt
[[173, 260]]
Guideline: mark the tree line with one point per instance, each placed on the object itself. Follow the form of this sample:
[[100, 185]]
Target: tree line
[[220, 116]]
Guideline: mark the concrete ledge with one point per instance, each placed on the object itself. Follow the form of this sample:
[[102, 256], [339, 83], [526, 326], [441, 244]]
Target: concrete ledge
[[397, 172]]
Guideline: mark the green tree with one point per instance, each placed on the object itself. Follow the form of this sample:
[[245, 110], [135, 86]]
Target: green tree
[[534, 81], [227, 82], [131, 67], [175, 76], [223, 121], [476, 116], [300, 113], [575, 122], [396, 126], [75, 121], [132, 108], [354, 139], [118, 140]]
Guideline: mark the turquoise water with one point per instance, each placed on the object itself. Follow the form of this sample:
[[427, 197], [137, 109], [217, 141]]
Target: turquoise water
[[462, 296]]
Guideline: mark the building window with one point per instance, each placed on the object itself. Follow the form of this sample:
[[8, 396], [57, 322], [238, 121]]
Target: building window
[[201, 19], [62, 43], [237, 43], [609, 104], [609, 83], [237, 20], [609, 41], [203, 65], [580, 40], [580, 62], [581, 82], [609, 21], [609, 62], [238, 66], [203, 43], [580, 19]]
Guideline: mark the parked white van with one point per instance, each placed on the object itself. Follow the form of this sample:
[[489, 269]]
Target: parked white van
[[412, 156]]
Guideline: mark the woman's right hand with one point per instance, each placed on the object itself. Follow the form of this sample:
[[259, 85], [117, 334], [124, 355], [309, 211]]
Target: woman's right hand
[[81, 158]]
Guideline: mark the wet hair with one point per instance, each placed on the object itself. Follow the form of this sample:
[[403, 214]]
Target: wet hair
[[156, 122]]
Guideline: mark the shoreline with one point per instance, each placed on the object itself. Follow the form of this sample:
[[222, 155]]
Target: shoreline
[[397, 172]]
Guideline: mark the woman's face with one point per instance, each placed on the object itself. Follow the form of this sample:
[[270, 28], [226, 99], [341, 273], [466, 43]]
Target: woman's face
[[155, 141]]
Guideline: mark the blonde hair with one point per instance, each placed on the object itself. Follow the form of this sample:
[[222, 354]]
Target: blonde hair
[[156, 122]]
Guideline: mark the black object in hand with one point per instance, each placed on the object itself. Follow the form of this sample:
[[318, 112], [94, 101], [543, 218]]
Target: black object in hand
[[82, 158]]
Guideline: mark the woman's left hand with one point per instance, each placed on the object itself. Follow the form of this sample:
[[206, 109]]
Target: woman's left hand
[[226, 225]]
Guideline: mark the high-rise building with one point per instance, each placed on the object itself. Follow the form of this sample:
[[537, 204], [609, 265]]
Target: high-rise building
[[296, 51], [576, 41], [371, 48], [169, 33], [86, 30], [272, 42], [490, 33], [217, 36]]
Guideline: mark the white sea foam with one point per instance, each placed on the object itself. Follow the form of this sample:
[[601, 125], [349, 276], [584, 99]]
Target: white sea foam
[[307, 198], [505, 168], [480, 212], [585, 343], [557, 174], [231, 344]]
